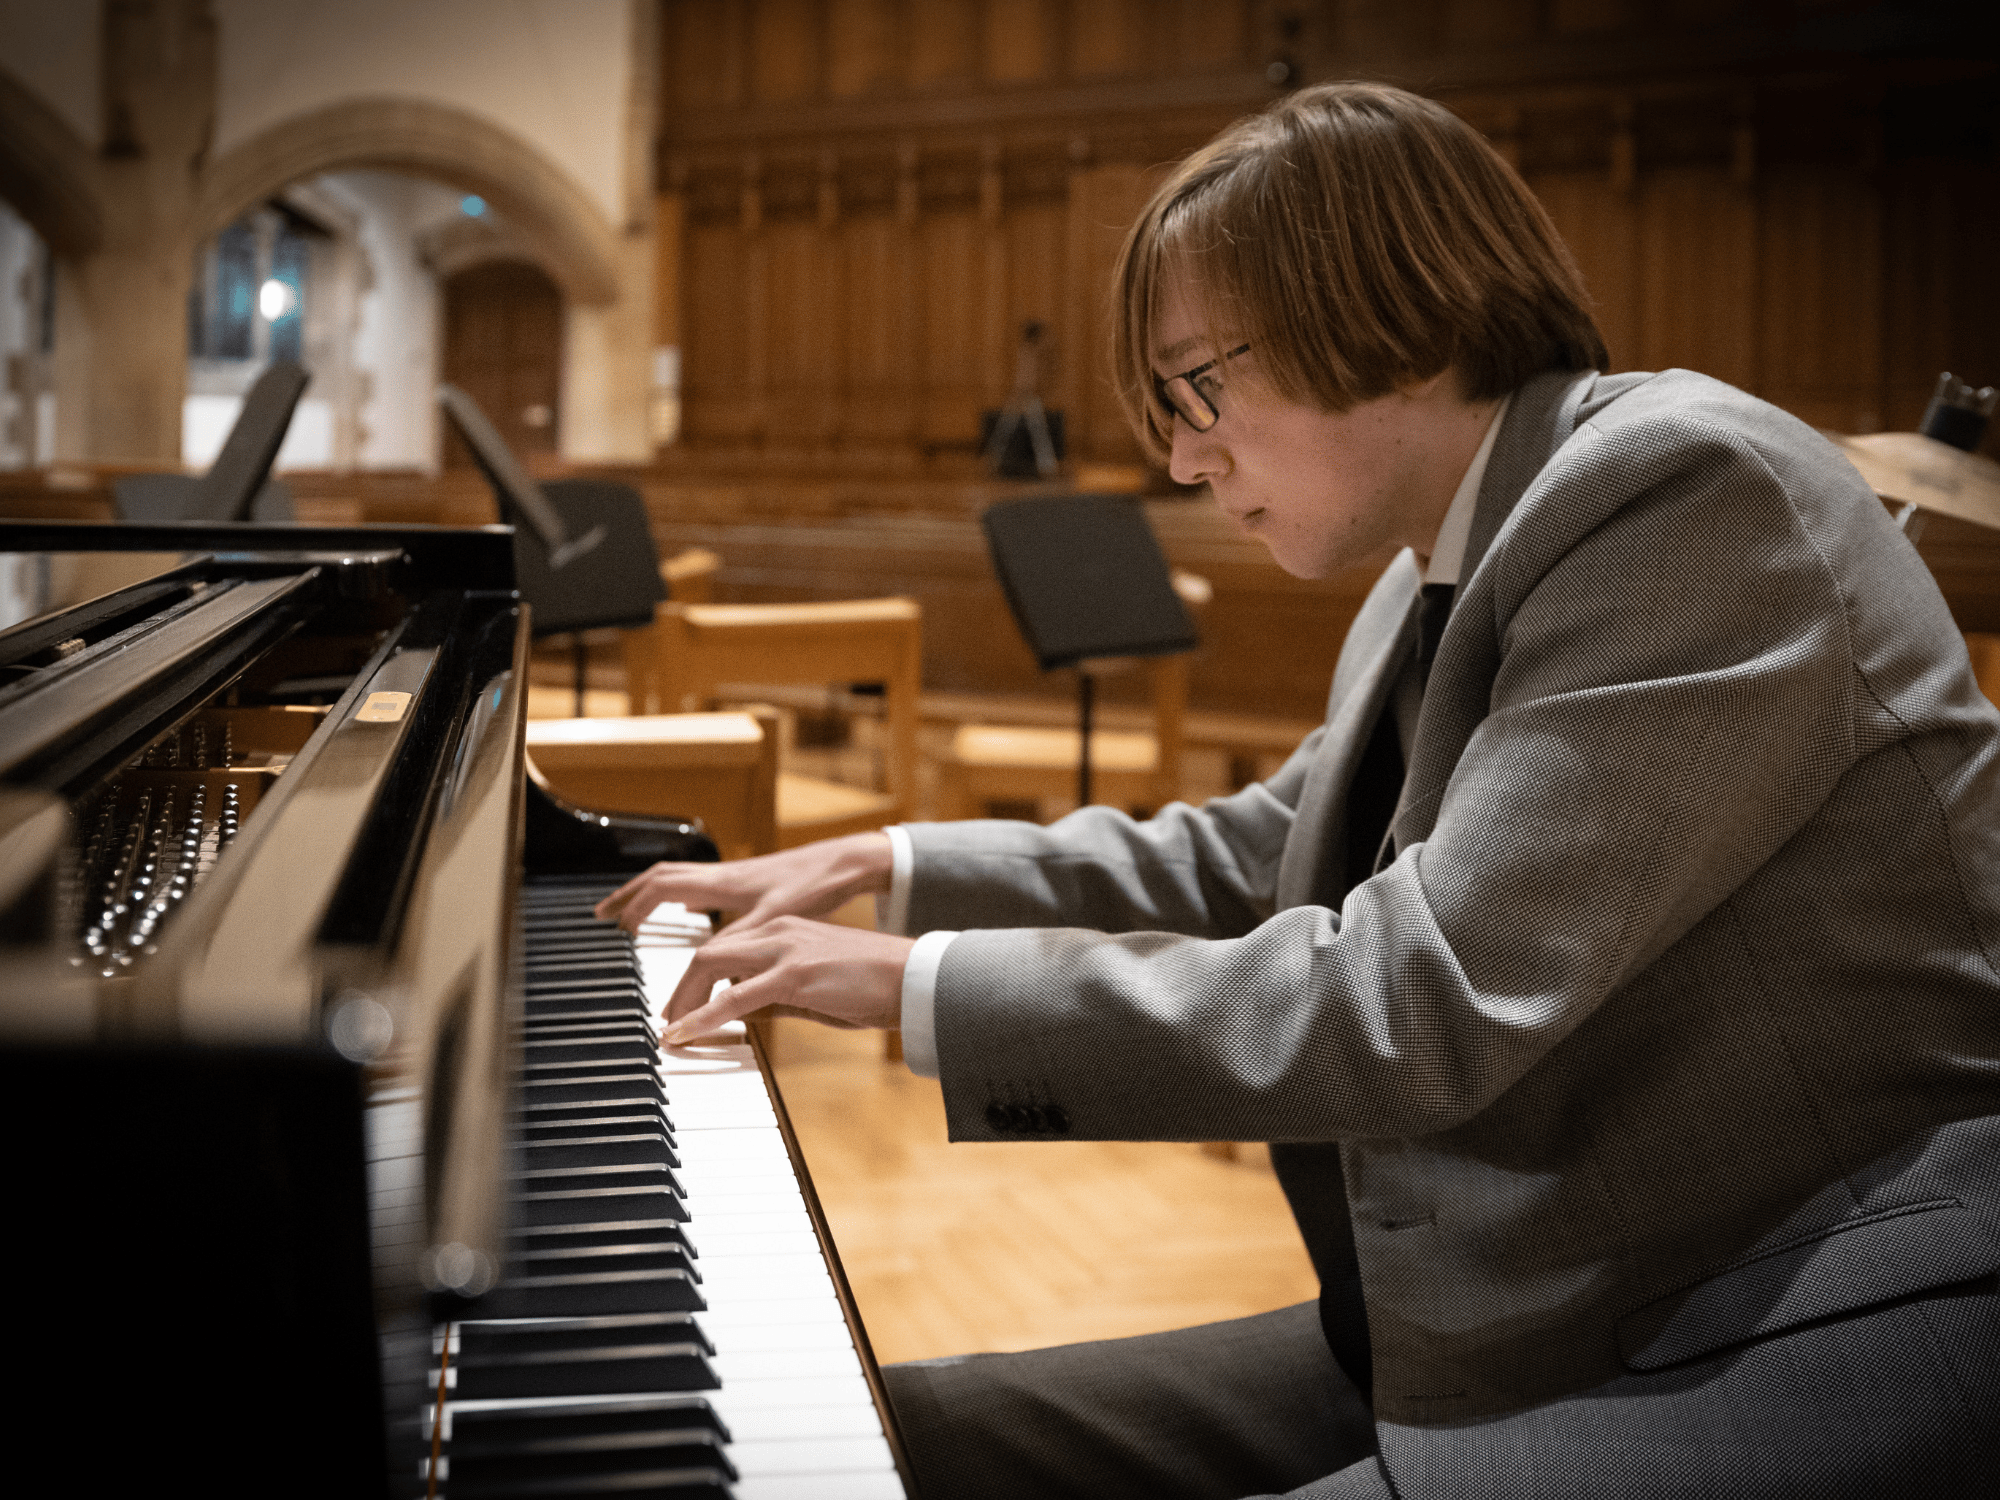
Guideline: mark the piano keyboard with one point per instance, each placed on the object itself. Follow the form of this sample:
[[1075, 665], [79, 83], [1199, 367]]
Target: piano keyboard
[[670, 1325]]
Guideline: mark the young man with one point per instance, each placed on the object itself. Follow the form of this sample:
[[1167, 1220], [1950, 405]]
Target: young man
[[1613, 971]]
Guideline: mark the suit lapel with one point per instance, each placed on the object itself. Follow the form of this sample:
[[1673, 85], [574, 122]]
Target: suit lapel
[[1383, 636], [1542, 417]]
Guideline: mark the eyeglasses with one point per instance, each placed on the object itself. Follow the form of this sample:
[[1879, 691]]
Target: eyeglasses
[[1191, 394]]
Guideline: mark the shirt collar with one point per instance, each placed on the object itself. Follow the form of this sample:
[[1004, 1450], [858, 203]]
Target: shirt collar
[[1448, 551]]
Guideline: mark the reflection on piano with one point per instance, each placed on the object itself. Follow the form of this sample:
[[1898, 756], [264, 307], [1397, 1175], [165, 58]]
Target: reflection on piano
[[328, 1097]]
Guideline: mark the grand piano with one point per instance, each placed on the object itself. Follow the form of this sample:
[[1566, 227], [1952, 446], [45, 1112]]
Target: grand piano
[[343, 1160]]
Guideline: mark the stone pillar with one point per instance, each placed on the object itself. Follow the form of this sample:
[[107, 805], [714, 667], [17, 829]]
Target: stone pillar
[[121, 336], [608, 348], [608, 364]]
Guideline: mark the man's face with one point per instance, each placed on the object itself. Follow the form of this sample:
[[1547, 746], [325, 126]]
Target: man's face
[[1323, 490]]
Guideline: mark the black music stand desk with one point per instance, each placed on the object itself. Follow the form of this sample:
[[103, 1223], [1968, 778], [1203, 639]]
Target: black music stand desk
[[1085, 579]]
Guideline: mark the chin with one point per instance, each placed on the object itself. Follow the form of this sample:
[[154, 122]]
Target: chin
[[1308, 569]]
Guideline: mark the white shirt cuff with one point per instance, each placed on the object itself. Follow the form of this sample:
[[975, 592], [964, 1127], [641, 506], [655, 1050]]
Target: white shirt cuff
[[920, 1003], [892, 912]]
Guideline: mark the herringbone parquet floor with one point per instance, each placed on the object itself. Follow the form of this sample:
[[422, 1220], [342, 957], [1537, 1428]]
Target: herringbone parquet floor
[[957, 1248]]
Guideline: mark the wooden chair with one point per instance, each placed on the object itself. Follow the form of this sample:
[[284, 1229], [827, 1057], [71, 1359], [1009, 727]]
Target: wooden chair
[[721, 768], [990, 763], [690, 578], [690, 575], [694, 649]]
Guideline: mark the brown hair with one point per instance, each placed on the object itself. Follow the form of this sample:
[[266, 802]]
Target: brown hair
[[1357, 237]]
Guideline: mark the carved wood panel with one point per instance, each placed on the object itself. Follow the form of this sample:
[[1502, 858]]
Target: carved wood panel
[[879, 192]]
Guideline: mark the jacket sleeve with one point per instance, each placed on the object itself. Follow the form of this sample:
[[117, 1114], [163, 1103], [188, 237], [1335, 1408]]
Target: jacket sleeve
[[1657, 690], [1206, 872]]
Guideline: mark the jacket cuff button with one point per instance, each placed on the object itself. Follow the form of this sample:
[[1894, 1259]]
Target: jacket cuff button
[[999, 1118], [1056, 1118]]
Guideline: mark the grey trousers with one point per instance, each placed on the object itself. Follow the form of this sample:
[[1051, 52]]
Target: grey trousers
[[1254, 1406]]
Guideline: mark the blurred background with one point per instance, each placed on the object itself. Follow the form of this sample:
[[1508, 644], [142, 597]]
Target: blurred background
[[769, 262]]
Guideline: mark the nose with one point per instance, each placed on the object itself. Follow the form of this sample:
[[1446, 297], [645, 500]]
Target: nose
[[1193, 456]]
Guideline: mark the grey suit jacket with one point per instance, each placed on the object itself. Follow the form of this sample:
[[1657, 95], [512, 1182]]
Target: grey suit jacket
[[1671, 1034]]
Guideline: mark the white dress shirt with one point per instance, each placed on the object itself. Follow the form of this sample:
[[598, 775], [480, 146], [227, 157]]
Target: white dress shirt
[[892, 912]]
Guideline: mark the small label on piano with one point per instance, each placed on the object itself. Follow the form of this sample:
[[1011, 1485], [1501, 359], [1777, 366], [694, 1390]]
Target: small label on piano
[[383, 708]]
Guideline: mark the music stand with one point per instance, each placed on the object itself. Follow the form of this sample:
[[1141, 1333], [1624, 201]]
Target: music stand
[[584, 557], [1024, 413], [238, 485], [1086, 580]]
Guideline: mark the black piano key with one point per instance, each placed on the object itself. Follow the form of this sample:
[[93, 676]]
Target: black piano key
[[518, 1339], [504, 1464], [626, 1148], [625, 1084], [601, 1205], [543, 1054], [644, 1484], [537, 1178], [587, 1023], [581, 1357], [571, 955], [571, 925], [556, 985], [636, 1255], [626, 1414], [542, 1239], [606, 943], [586, 1007], [555, 1074], [555, 1119], [576, 1294], [573, 975], [581, 1011], [554, 1030], [586, 886], [560, 1121]]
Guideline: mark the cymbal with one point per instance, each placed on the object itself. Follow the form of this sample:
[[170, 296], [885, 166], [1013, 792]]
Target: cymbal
[[1909, 468]]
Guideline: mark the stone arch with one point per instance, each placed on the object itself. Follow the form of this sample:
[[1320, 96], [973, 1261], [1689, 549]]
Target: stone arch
[[557, 225], [461, 244], [47, 173]]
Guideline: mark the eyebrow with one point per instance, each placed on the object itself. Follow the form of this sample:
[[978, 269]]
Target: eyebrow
[[1174, 351]]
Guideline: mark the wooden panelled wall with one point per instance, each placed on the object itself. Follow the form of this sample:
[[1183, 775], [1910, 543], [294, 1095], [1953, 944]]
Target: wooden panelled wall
[[864, 199]]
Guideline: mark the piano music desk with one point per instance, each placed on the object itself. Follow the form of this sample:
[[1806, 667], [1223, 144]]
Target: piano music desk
[[719, 767]]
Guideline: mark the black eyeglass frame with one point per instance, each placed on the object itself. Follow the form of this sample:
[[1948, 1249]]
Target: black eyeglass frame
[[1181, 397]]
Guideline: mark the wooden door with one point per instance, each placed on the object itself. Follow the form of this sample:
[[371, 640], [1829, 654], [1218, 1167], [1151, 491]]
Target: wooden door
[[503, 348]]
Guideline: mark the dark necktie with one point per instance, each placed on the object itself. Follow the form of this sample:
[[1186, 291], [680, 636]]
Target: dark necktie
[[1433, 611], [1371, 803]]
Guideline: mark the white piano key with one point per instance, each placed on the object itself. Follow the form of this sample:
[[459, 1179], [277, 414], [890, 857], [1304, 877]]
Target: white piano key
[[740, 1216], [798, 1336], [723, 1243], [724, 1155], [734, 1313], [773, 1267], [844, 1419], [793, 1390], [788, 1364], [756, 1458], [877, 1486], [769, 1173], [773, 1292], [766, 1192]]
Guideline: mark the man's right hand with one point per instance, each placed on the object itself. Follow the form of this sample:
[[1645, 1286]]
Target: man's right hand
[[806, 882]]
